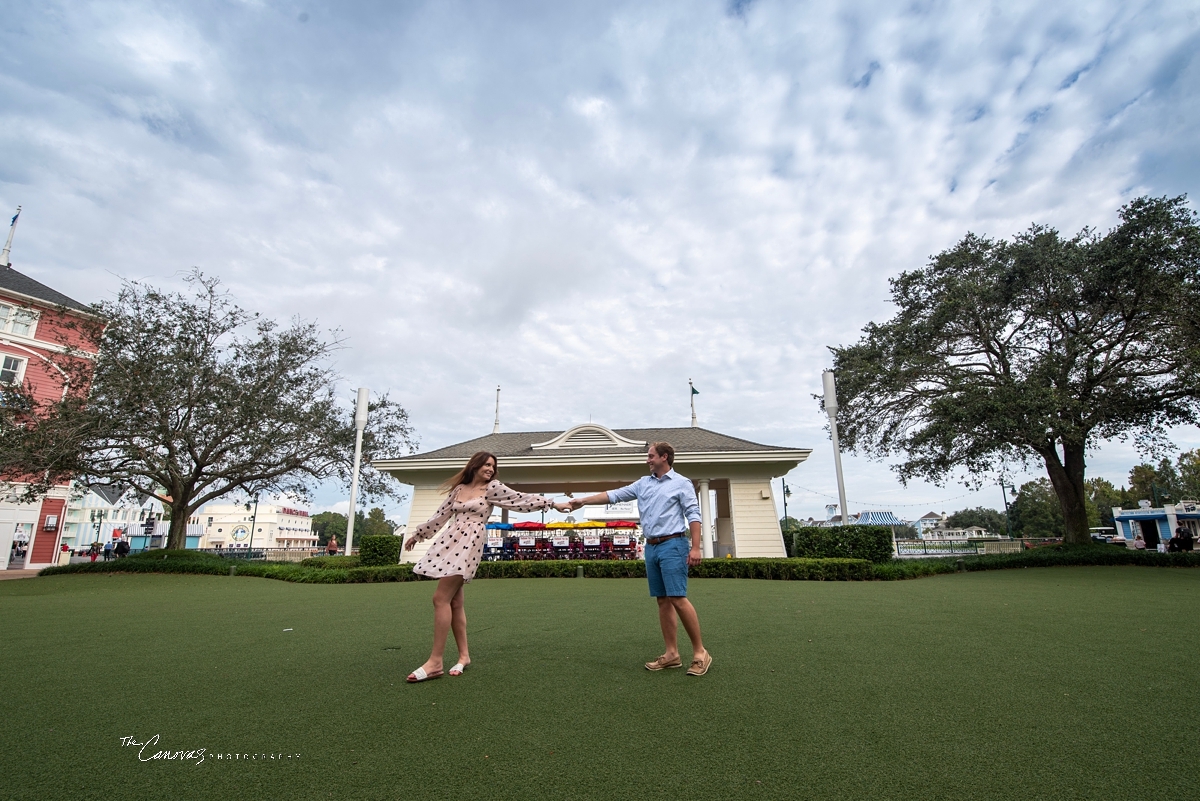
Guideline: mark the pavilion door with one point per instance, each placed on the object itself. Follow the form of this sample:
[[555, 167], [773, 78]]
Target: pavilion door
[[1150, 532]]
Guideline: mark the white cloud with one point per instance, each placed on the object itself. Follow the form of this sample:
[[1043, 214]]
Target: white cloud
[[585, 204]]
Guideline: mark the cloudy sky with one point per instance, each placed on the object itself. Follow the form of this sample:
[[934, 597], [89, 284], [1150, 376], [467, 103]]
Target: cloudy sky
[[585, 203]]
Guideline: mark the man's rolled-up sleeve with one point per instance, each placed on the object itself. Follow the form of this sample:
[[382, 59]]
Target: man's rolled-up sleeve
[[626, 493], [691, 506]]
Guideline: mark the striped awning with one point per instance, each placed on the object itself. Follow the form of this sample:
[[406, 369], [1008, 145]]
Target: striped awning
[[878, 518]]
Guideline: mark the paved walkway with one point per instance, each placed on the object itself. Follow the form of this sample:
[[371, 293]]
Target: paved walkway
[[16, 574]]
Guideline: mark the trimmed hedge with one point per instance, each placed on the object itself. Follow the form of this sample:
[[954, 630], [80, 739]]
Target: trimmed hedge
[[190, 562], [379, 550], [873, 543], [329, 562], [784, 569]]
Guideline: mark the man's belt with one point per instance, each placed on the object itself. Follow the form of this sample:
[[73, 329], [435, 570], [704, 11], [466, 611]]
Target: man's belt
[[660, 540]]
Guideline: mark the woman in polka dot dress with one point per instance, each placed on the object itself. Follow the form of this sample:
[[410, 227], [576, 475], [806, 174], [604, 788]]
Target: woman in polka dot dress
[[454, 556]]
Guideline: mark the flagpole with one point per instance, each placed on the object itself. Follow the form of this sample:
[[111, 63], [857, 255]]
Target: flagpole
[[12, 227], [693, 400]]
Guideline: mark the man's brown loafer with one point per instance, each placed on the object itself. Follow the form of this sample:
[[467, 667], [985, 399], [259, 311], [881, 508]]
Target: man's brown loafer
[[700, 666], [663, 662]]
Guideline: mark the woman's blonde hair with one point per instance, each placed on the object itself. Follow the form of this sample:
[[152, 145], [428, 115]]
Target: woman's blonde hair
[[467, 474]]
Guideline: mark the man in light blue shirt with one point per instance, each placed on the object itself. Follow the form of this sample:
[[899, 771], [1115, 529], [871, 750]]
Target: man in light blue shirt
[[670, 518]]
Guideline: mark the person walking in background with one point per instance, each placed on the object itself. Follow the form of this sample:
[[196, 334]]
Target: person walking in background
[[1139, 542], [670, 519], [108, 548], [122, 549], [454, 556], [1183, 538], [331, 549]]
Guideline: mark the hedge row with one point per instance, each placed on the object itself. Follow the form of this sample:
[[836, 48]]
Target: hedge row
[[325, 570], [329, 572], [331, 561], [873, 543]]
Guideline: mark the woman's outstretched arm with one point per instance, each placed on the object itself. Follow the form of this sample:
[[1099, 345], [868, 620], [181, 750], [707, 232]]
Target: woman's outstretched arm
[[508, 498], [433, 524]]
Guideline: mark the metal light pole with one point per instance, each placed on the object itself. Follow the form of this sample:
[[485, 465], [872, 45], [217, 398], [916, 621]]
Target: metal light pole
[[97, 521], [786, 492], [360, 422], [1007, 515], [831, 409]]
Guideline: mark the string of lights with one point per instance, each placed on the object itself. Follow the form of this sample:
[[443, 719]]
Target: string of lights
[[881, 503]]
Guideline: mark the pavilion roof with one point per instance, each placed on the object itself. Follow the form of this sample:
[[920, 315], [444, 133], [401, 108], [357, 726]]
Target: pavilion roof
[[684, 440]]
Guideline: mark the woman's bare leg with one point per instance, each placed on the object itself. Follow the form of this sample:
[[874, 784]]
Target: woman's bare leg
[[458, 624], [447, 588]]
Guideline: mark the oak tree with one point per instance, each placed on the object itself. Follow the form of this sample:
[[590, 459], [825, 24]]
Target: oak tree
[[191, 399], [1037, 348]]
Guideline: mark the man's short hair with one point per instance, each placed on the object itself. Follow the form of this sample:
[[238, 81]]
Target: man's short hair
[[664, 449]]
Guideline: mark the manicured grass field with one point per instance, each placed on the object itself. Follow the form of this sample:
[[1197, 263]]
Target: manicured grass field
[[1038, 683]]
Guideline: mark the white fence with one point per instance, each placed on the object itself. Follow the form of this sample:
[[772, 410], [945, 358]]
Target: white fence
[[923, 549]]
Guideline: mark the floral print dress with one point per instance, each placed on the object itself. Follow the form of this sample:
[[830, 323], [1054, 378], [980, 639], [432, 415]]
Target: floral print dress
[[457, 551]]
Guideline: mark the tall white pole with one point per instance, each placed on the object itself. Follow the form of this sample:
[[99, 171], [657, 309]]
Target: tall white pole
[[496, 425], [4, 262], [831, 409], [692, 394], [706, 543], [360, 422]]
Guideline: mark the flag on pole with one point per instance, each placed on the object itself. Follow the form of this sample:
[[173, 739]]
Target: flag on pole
[[14, 219], [695, 391]]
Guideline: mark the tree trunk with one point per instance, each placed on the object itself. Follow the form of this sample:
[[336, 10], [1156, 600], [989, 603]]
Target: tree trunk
[[177, 540], [1067, 477]]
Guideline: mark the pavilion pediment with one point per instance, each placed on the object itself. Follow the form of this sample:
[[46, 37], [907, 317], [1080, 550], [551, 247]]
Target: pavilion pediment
[[588, 435]]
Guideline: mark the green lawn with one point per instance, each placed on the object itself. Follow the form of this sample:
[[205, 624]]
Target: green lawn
[[1048, 683]]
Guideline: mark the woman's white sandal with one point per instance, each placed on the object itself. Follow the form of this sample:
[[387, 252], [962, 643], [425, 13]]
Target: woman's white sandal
[[420, 675], [458, 669]]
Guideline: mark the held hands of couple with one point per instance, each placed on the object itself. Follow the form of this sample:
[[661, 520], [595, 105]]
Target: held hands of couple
[[563, 506]]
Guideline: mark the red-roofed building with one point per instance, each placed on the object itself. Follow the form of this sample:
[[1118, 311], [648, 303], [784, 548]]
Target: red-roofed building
[[35, 328]]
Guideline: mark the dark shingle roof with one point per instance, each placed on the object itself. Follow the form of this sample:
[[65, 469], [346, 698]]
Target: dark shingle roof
[[109, 492], [684, 440], [19, 282]]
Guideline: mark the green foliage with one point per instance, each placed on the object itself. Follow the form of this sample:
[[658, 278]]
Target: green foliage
[[377, 550], [1036, 511], [873, 543], [374, 524], [1007, 350], [1158, 485], [1188, 465], [981, 516], [192, 399], [329, 524], [1102, 497], [332, 562]]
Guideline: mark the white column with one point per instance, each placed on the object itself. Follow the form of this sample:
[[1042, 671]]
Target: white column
[[831, 409], [706, 521], [360, 422]]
